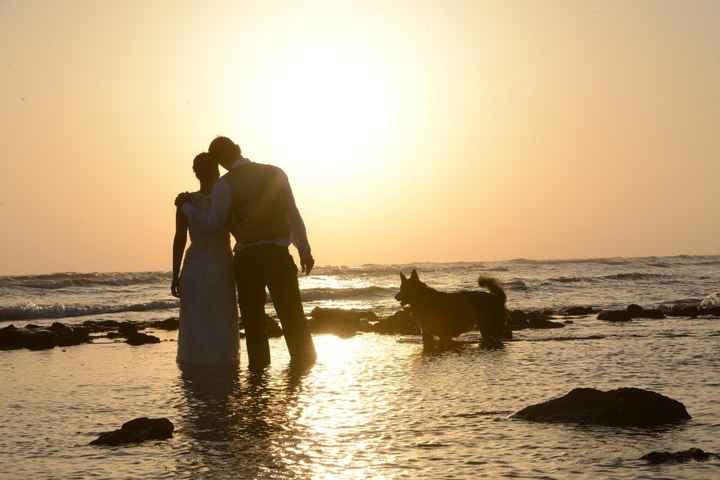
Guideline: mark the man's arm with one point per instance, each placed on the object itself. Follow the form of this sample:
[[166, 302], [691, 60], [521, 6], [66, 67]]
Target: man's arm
[[298, 234], [213, 219]]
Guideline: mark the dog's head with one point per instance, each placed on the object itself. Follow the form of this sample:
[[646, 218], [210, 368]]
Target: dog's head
[[410, 288]]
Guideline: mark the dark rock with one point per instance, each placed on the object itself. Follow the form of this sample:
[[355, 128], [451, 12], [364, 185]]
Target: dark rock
[[538, 323], [696, 454], [40, 338], [623, 407], [141, 339], [654, 313], [636, 311], [713, 310], [685, 309], [9, 337], [66, 336], [137, 430], [340, 322], [399, 323], [31, 326], [100, 325], [614, 315], [127, 329], [577, 310], [520, 320], [169, 324]]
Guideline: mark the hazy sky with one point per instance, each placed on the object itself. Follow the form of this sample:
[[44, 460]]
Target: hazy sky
[[434, 131]]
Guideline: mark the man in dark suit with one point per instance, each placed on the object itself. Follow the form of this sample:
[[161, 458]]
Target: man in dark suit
[[255, 202]]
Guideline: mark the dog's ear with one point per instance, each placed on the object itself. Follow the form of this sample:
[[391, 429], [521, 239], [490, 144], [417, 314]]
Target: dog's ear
[[402, 278], [414, 276]]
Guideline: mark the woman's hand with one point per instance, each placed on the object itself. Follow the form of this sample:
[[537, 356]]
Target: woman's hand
[[175, 288]]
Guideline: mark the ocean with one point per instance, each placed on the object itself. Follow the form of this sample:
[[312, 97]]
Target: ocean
[[373, 406]]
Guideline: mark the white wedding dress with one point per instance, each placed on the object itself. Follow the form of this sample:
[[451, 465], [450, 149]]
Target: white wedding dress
[[208, 311]]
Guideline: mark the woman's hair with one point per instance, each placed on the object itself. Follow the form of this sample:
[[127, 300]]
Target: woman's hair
[[205, 167]]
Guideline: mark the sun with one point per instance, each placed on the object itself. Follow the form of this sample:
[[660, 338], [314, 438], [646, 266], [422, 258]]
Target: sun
[[328, 108]]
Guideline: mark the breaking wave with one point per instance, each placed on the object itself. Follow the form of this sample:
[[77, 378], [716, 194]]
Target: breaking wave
[[616, 276], [55, 281], [32, 311]]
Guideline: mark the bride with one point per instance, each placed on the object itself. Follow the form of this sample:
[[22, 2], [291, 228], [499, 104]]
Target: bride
[[206, 287]]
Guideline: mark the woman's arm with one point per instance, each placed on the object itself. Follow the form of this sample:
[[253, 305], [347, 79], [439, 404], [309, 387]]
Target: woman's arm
[[179, 243]]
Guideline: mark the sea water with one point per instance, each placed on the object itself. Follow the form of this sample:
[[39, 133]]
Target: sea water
[[373, 406]]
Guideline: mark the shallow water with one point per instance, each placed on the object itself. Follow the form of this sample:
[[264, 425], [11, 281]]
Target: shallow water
[[373, 407]]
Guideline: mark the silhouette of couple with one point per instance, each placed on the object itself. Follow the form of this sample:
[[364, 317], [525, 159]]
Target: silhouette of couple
[[254, 203]]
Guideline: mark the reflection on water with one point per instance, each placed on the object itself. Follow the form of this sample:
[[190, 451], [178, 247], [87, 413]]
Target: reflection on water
[[372, 407], [234, 424]]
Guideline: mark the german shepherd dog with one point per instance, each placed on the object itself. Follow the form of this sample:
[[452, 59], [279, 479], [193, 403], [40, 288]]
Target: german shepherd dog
[[447, 315]]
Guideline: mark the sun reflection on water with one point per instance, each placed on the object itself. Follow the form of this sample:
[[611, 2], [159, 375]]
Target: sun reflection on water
[[338, 412]]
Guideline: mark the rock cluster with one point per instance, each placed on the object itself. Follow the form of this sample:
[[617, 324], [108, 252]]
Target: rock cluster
[[632, 311], [38, 338]]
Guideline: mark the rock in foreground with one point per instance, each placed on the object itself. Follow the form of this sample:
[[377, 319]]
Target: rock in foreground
[[137, 430], [623, 407], [696, 454]]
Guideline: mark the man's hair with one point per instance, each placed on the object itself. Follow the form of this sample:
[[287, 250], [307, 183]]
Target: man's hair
[[205, 166], [222, 149]]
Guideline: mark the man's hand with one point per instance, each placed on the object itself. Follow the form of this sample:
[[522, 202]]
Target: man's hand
[[182, 198], [306, 264], [175, 288]]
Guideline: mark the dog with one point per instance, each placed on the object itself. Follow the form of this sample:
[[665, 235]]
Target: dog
[[447, 315]]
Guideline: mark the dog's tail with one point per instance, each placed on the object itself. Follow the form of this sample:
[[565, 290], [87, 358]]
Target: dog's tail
[[494, 287]]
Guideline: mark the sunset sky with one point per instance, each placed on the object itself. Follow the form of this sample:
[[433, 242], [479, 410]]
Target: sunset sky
[[411, 131]]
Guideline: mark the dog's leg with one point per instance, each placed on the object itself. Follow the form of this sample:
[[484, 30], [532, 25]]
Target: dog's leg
[[428, 342]]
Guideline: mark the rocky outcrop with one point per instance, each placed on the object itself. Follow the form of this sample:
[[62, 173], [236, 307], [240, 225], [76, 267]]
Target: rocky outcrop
[[97, 326], [623, 407], [636, 311], [577, 310], [537, 319], [343, 323], [169, 324], [137, 430], [632, 311], [614, 316], [139, 338], [399, 323], [688, 455], [39, 338], [681, 310]]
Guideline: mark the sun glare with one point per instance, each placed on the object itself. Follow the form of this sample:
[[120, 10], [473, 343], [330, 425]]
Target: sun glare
[[330, 107]]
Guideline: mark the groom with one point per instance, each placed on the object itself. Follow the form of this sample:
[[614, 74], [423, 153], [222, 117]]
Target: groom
[[255, 202]]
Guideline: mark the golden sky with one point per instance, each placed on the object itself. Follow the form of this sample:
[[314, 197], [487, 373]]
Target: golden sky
[[411, 131]]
